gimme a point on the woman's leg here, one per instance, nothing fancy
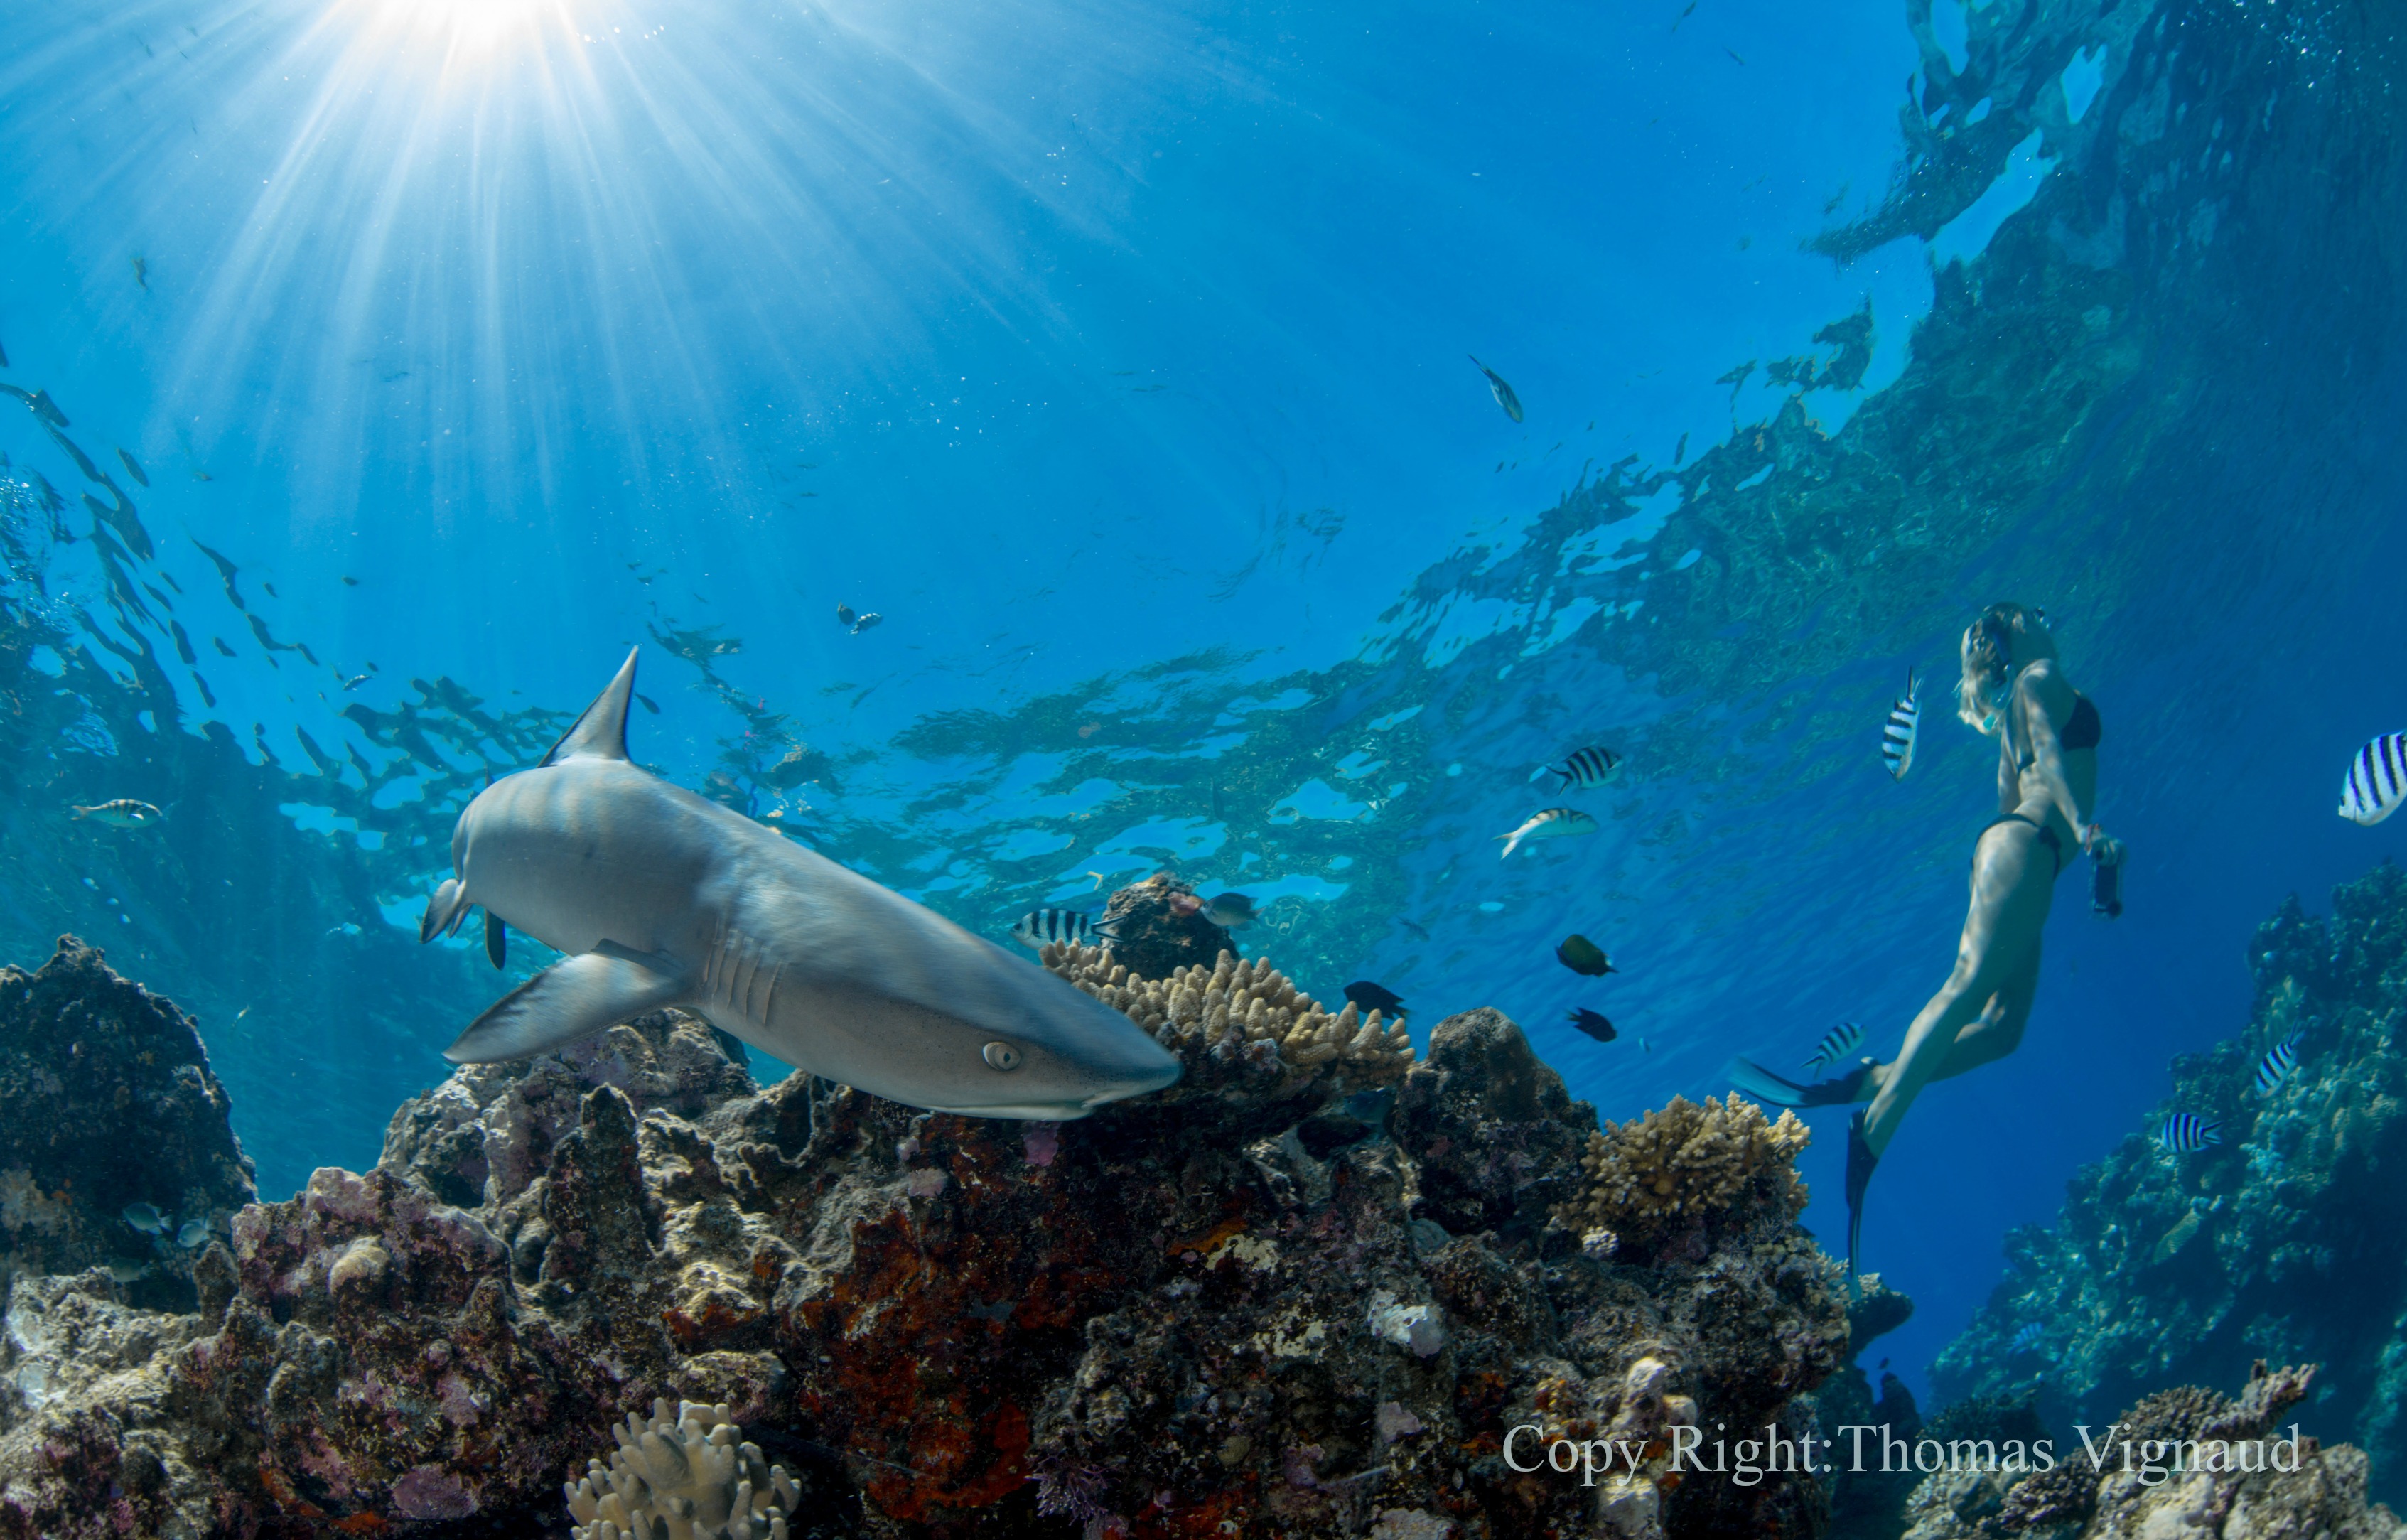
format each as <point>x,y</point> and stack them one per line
<point>1999,1030</point>
<point>2014,876</point>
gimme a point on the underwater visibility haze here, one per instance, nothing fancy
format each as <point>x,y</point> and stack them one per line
<point>1484,502</point>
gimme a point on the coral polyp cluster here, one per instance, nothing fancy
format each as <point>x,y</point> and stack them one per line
<point>1198,1007</point>
<point>681,1477</point>
<point>1686,1159</point>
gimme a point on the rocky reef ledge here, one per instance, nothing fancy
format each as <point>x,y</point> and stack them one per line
<point>1308,1292</point>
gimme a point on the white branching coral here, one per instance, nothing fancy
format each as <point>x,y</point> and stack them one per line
<point>681,1477</point>
<point>1199,1008</point>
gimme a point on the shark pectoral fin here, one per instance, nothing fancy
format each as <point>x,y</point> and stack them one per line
<point>572,999</point>
<point>497,940</point>
<point>443,911</point>
<point>601,732</point>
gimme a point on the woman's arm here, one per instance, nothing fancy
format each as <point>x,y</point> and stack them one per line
<point>2038,689</point>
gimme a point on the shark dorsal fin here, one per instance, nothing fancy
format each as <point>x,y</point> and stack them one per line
<point>601,734</point>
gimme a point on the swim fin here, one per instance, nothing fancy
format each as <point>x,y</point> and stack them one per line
<point>1860,1162</point>
<point>1780,1091</point>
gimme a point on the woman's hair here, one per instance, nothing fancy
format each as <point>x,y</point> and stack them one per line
<point>1988,659</point>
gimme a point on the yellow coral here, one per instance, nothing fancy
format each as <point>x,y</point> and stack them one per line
<point>1684,1159</point>
<point>1197,1007</point>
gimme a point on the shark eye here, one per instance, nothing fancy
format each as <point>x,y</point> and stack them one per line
<point>1002,1055</point>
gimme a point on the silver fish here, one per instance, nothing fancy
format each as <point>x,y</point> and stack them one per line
<point>2186,1130</point>
<point>143,1217</point>
<point>2377,780</point>
<point>660,897</point>
<point>1553,823</point>
<point>1039,928</point>
<point>192,1234</point>
<point>122,813</point>
<point>1836,1044</point>
<point>2275,1067</point>
<point>1587,768</point>
<point>1903,727</point>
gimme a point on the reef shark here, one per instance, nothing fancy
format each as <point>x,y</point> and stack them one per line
<point>663,898</point>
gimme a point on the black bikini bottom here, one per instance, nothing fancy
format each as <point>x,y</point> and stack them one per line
<point>2046,837</point>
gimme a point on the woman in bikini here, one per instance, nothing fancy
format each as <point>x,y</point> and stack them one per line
<point>2015,687</point>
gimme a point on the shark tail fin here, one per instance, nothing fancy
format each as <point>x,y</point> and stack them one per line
<point>443,910</point>
<point>572,999</point>
<point>601,732</point>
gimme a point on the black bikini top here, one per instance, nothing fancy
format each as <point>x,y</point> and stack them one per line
<point>2082,729</point>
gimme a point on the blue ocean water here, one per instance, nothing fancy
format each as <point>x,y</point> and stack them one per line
<point>403,362</point>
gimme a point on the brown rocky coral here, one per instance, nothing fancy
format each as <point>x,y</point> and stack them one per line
<point>1197,1007</point>
<point>1686,1159</point>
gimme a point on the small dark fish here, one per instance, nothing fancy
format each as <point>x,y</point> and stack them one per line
<point>203,476</point>
<point>844,616</point>
<point>2275,1067</point>
<point>132,469</point>
<point>354,682</point>
<point>1646,1046</point>
<point>350,582</point>
<point>1836,1044</point>
<point>1904,726</point>
<point>866,622</point>
<point>1502,391</point>
<point>127,1271</point>
<point>144,1218</point>
<point>1732,52</point>
<point>1593,1023</point>
<point>142,274</point>
<point>1415,929</point>
<point>650,704</point>
<point>1584,957</point>
<point>2184,1131</point>
<point>122,813</point>
<point>1038,927</point>
<point>1680,451</point>
<point>1587,768</point>
<point>1369,996</point>
<point>1230,911</point>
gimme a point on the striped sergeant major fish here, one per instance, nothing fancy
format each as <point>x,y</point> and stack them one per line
<point>1552,823</point>
<point>1587,768</point>
<point>1836,1044</point>
<point>124,813</point>
<point>2186,1130</point>
<point>1904,726</point>
<point>2275,1067</point>
<point>2377,780</point>
<point>1039,927</point>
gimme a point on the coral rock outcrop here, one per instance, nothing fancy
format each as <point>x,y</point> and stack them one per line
<point>109,1102</point>
<point>1303,1299</point>
<point>1686,1163</point>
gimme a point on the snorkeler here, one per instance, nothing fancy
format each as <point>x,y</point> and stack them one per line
<point>2048,783</point>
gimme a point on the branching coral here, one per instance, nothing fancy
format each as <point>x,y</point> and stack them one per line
<point>681,1477</point>
<point>1684,1159</point>
<point>1197,1007</point>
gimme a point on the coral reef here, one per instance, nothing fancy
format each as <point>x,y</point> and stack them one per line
<point>1686,1162</point>
<point>2178,1484</point>
<point>1158,928</point>
<point>1196,1007</point>
<point>111,1104</point>
<point>1275,1299</point>
<point>684,1475</point>
<point>2284,1242</point>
